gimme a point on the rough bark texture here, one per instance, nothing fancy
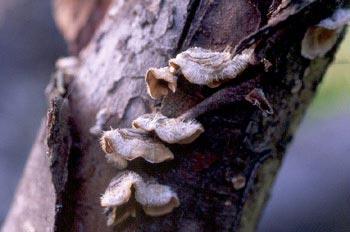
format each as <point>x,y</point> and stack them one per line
<point>66,184</point>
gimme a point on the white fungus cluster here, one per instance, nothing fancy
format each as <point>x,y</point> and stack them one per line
<point>150,133</point>
<point>199,66</point>
<point>155,199</point>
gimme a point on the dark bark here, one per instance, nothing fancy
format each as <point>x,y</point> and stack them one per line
<point>239,140</point>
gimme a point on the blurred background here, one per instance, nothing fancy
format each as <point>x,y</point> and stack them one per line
<point>29,46</point>
<point>312,190</point>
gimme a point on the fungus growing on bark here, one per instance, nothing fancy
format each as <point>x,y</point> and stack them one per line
<point>319,39</point>
<point>170,130</point>
<point>159,81</point>
<point>118,191</point>
<point>257,98</point>
<point>117,196</point>
<point>129,144</point>
<point>205,67</point>
<point>155,199</point>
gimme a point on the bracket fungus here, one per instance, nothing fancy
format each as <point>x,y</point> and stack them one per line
<point>159,81</point>
<point>170,130</point>
<point>199,66</point>
<point>128,144</point>
<point>155,199</point>
<point>320,38</point>
<point>117,194</point>
<point>205,67</point>
<point>257,98</point>
<point>118,191</point>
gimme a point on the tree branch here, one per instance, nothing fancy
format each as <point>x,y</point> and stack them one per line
<point>239,140</point>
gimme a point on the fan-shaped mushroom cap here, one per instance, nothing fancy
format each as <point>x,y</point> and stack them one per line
<point>205,67</point>
<point>170,130</point>
<point>147,122</point>
<point>159,81</point>
<point>319,39</point>
<point>118,191</point>
<point>131,143</point>
<point>156,199</point>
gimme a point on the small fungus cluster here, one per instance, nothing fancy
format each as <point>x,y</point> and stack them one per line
<point>155,199</point>
<point>199,66</point>
<point>150,133</point>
